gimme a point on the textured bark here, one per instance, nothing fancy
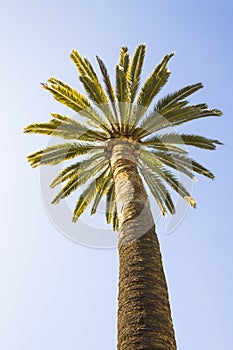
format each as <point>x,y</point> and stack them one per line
<point>144,316</point>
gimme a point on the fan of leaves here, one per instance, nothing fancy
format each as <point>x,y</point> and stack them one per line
<point>122,110</point>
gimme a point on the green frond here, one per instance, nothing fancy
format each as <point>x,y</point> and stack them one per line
<point>167,103</point>
<point>50,128</point>
<point>154,165</point>
<point>73,99</point>
<point>192,165</point>
<point>66,174</point>
<point>79,167</point>
<point>157,143</point>
<point>80,178</point>
<point>65,119</point>
<point>186,114</point>
<point>196,141</point>
<point>122,93</point>
<point>115,221</point>
<point>83,65</point>
<point>102,191</point>
<point>109,88</point>
<point>98,96</point>
<point>94,91</point>
<point>150,89</point>
<point>153,187</point>
<point>110,203</point>
<point>124,59</point>
<point>136,69</point>
<point>158,190</point>
<point>88,194</point>
<point>59,153</point>
<point>169,160</point>
<point>92,85</point>
<point>181,139</point>
<point>155,121</point>
<point>122,111</point>
<point>66,128</point>
<point>154,82</point>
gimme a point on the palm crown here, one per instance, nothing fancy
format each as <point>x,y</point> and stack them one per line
<point>122,115</point>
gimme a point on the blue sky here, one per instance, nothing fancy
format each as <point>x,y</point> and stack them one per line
<point>54,293</point>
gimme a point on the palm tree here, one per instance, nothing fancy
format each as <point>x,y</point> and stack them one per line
<point>123,148</point>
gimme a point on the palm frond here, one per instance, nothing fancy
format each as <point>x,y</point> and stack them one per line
<point>58,153</point>
<point>115,220</point>
<point>157,144</point>
<point>169,160</point>
<point>192,165</point>
<point>90,81</point>
<point>136,69</point>
<point>97,95</point>
<point>66,174</point>
<point>158,190</point>
<point>154,83</point>
<point>155,166</point>
<point>80,179</point>
<point>94,92</point>
<point>150,89</point>
<point>83,65</point>
<point>109,88</point>
<point>79,167</point>
<point>124,59</point>
<point>151,183</point>
<point>88,194</point>
<point>66,128</point>
<point>181,139</point>
<point>122,93</point>
<point>155,122</point>
<point>110,203</point>
<point>103,190</point>
<point>167,103</point>
<point>76,101</point>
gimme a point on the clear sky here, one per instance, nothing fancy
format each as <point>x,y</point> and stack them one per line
<point>57,294</point>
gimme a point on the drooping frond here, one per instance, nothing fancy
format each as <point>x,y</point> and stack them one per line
<point>182,139</point>
<point>66,174</point>
<point>158,190</point>
<point>192,165</point>
<point>88,194</point>
<point>155,166</point>
<point>169,160</point>
<point>110,203</point>
<point>135,70</point>
<point>115,220</point>
<point>103,190</point>
<point>80,178</point>
<point>58,153</point>
<point>76,101</point>
<point>79,167</point>
<point>66,128</point>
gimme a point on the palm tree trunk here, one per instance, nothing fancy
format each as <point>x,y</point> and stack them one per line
<point>144,316</point>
